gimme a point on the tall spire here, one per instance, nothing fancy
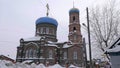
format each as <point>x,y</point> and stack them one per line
<point>47,6</point>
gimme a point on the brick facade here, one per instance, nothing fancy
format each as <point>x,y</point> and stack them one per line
<point>45,48</point>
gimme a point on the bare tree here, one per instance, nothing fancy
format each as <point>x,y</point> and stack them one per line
<point>104,24</point>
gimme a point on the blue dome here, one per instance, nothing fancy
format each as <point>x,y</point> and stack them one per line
<point>47,20</point>
<point>74,10</point>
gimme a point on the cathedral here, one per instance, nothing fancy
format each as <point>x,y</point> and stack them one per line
<point>43,47</point>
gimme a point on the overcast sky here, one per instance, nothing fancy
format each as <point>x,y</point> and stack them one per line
<point>17,19</point>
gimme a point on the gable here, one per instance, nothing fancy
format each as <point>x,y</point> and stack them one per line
<point>31,44</point>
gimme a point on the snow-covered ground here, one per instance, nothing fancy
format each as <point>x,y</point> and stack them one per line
<point>8,64</point>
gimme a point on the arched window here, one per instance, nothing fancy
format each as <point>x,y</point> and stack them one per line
<point>75,55</point>
<point>47,30</point>
<point>44,30</point>
<point>65,55</point>
<point>41,30</point>
<point>73,18</point>
<point>50,54</point>
<point>30,53</point>
<point>27,53</point>
<point>34,53</point>
<point>74,29</point>
<point>38,30</point>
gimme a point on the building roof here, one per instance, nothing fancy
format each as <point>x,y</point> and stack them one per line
<point>74,10</point>
<point>51,45</point>
<point>46,20</point>
<point>2,57</point>
<point>117,40</point>
<point>115,47</point>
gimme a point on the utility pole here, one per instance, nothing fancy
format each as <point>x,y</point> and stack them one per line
<point>89,38</point>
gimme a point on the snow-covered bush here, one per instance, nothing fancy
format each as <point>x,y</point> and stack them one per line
<point>8,64</point>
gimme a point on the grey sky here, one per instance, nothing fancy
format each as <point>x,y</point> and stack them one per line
<point>17,19</point>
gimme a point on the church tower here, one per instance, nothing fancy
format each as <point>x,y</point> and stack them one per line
<point>74,26</point>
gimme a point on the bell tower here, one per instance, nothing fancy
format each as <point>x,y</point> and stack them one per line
<point>74,26</point>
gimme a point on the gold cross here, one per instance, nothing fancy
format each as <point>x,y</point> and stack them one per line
<point>47,9</point>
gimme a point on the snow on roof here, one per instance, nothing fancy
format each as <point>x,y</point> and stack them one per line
<point>55,42</point>
<point>114,42</point>
<point>66,46</point>
<point>36,38</point>
<point>27,61</point>
<point>50,42</point>
<point>53,45</point>
<point>115,49</point>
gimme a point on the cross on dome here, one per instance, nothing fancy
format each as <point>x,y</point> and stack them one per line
<point>47,6</point>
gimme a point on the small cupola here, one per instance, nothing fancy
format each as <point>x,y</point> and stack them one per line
<point>74,10</point>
